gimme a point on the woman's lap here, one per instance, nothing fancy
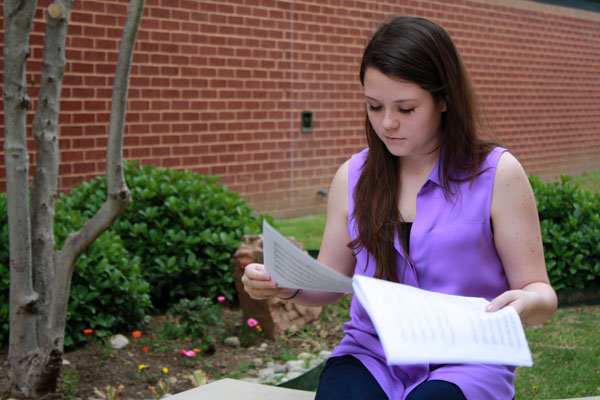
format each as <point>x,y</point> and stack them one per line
<point>345,377</point>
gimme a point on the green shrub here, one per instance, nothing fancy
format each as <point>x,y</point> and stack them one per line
<point>108,291</point>
<point>570,222</point>
<point>176,240</point>
<point>185,228</point>
<point>194,319</point>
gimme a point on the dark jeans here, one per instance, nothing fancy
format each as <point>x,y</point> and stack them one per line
<point>346,378</point>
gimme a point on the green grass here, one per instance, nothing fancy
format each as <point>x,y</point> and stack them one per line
<point>565,349</point>
<point>307,230</point>
<point>566,356</point>
<point>589,181</point>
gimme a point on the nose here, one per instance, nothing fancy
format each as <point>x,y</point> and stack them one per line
<point>390,122</point>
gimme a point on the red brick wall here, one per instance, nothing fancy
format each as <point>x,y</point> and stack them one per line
<point>218,87</point>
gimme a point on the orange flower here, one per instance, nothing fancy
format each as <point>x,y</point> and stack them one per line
<point>136,334</point>
<point>197,350</point>
<point>258,328</point>
<point>145,349</point>
<point>87,331</point>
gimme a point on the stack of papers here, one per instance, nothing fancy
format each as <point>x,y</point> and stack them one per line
<point>414,325</point>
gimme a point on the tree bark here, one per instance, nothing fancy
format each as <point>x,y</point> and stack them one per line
<point>23,300</point>
<point>41,276</point>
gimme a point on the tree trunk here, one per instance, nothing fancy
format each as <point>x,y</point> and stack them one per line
<point>41,276</point>
<point>23,301</point>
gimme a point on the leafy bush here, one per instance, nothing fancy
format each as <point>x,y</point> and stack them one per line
<point>570,222</point>
<point>193,319</point>
<point>185,228</point>
<point>108,291</point>
<point>175,241</point>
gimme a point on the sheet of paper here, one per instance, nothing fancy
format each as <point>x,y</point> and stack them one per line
<point>419,326</point>
<point>291,267</point>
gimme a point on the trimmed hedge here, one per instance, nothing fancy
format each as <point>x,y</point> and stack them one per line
<point>570,222</point>
<point>108,291</point>
<point>185,228</point>
<point>175,241</point>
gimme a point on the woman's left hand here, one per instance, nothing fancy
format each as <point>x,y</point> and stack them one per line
<point>533,303</point>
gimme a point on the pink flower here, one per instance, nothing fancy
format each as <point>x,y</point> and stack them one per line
<point>187,353</point>
<point>221,299</point>
<point>252,322</point>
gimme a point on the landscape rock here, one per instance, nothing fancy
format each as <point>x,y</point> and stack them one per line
<point>118,342</point>
<point>251,380</point>
<point>232,341</point>
<point>276,377</point>
<point>305,356</point>
<point>275,373</point>
<point>279,369</point>
<point>294,365</point>
<point>263,347</point>
<point>293,375</point>
<point>265,373</point>
<point>257,362</point>
<point>275,316</point>
<point>99,394</point>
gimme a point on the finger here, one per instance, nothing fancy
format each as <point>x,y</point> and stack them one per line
<point>502,300</point>
<point>252,281</point>
<point>259,284</point>
<point>256,272</point>
<point>263,294</point>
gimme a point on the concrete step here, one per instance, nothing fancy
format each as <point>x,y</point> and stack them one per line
<point>232,389</point>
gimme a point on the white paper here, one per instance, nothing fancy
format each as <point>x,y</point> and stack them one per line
<point>419,326</point>
<point>291,267</point>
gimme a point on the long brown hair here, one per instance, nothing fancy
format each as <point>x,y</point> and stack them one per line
<point>419,51</point>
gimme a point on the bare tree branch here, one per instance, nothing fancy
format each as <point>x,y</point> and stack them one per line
<point>18,17</point>
<point>41,276</point>
<point>118,194</point>
<point>45,181</point>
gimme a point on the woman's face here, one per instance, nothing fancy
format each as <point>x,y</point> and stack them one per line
<point>405,117</point>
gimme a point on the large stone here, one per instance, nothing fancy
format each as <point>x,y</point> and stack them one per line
<point>232,341</point>
<point>118,342</point>
<point>275,316</point>
<point>294,365</point>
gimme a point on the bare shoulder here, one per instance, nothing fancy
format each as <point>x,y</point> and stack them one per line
<point>509,169</point>
<point>338,192</point>
<point>341,175</point>
<point>334,250</point>
<point>511,185</point>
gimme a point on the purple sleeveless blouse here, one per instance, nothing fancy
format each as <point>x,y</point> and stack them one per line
<point>452,251</point>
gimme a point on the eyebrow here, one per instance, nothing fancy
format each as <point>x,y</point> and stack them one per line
<point>396,101</point>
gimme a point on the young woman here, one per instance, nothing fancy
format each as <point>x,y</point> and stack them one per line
<point>429,204</point>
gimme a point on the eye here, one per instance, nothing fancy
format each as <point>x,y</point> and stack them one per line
<point>406,110</point>
<point>374,108</point>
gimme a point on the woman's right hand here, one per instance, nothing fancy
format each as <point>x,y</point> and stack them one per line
<point>258,284</point>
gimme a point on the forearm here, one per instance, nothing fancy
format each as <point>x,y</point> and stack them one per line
<point>543,304</point>
<point>310,298</point>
